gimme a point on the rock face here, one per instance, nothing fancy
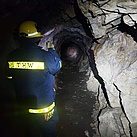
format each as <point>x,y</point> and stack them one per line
<point>116,61</point>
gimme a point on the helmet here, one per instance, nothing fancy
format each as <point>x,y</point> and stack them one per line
<point>28,30</point>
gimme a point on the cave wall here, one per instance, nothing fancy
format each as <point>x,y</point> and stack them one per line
<point>116,60</point>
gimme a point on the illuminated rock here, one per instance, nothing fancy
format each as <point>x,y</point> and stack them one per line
<point>116,61</point>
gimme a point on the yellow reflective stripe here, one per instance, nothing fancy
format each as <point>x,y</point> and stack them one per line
<point>54,89</point>
<point>60,63</point>
<point>9,77</point>
<point>26,65</point>
<point>43,110</point>
<point>32,34</point>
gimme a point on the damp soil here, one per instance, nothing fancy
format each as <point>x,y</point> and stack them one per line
<point>75,104</point>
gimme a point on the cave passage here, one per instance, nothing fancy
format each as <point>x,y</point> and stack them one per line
<point>77,102</point>
<point>74,103</point>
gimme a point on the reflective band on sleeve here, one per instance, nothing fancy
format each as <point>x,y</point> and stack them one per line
<point>43,110</point>
<point>9,77</point>
<point>60,63</point>
<point>26,65</point>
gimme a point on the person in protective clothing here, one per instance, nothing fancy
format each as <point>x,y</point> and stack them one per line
<point>32,72</point>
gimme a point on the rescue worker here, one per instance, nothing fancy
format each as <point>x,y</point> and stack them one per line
<point>32,72</point>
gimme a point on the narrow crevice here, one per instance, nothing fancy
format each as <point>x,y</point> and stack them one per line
<point>96,75</point>
<point>99,113</point>
<point>99,121</point>
<point>122,107</point>
<point>83,20</point>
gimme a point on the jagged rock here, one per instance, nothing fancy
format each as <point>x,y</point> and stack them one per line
<point>106,15</point>
<point>134,128</point>
<point>116,61</point>
<point>110,123</point>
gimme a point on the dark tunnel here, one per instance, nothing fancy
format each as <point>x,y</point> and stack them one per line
<point>72,45</point>
<point>70,52</point>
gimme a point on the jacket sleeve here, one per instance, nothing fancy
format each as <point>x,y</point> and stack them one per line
<point>53,61</point>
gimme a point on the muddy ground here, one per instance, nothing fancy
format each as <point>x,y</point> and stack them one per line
<point>75,104</point>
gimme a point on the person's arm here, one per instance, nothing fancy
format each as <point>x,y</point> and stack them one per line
<point>53,61</point>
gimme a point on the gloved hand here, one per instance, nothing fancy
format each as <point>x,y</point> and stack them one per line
<point>49,115</point>
<point>49,44</point>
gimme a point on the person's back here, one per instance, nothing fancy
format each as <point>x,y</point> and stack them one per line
<point>32,70</point>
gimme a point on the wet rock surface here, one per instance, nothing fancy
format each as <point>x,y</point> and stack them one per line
<point>75,104</point>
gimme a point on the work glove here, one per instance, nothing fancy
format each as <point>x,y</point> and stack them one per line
<point>49,44</point>
<point>49,115</point>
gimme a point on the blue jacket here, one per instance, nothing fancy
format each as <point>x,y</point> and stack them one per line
<point>32,70</point>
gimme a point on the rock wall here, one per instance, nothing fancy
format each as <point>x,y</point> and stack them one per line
<point>116,61</point>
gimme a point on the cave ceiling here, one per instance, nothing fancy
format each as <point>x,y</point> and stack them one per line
<point>89,15</point>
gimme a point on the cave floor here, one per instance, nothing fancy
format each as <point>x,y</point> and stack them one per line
<point>75,104</point>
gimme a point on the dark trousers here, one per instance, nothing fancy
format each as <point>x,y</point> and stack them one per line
<point>34,125</point>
